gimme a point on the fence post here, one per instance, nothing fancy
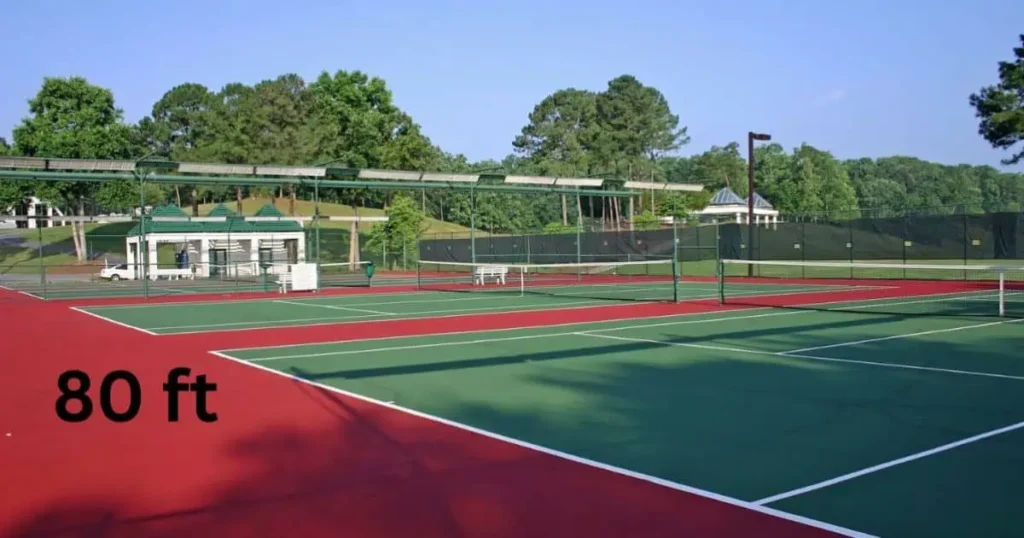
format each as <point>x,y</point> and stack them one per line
<point>42,265</point>
<point>677,266</point>
<point>850,247</point>
<point>803,249</point>
<point>143,250</point>
<point>316,219</point>
<point>579,251</point>
<point>472,225</point>
<point>905,223</point>
<point>966,239</point>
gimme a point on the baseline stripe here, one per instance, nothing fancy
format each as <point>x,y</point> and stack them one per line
<point>335,307</point>
<point>886,465</point>
<point>562,455</point>
<point>898,336</point>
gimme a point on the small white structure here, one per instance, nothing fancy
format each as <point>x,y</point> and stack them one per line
<point>725,206</point>
<point>33,207</point>
<point>222,244</point>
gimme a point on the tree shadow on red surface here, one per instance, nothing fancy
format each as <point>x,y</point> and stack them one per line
<point>366,471</point>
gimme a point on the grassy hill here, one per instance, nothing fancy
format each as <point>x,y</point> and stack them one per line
<point>304,208</point>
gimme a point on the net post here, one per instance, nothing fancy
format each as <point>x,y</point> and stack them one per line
<point>579,248</point>
<point>1002,293</point>
<point>718,245</point>
<point>316,219</point>
<point>42,265</point>
<point>419,277</point>
<point>675,281</point>
<point>720,266</point>
<point>522,280</point>
<point>472,225</point>
<point>676,269</point>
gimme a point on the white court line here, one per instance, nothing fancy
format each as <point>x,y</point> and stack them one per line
<point>886,465</point>
<point>502,338</point>
<point>407,316</point>
<point>607,329</point>
<point>259,325</point>
<point>808,357</point>
<point>25,293</point>
<point>904,366</point>
<point>898,336</point>
<point>115,322</point>
<point>561,455</point>
<point>404,348</point>
<point>335,307</point>
<point>674,344</point>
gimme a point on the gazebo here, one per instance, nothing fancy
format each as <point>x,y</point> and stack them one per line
<point>222,243</point>
<point>726,204</point>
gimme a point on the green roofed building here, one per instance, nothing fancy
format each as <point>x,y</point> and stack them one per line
<point>222,243</point>
<point>726,204</point>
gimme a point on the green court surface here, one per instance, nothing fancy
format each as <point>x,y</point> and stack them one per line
<point>889,424</point>
<point>295,310</point>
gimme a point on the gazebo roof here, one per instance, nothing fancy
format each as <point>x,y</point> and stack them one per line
<point>220,210</point>
<point>169,210</point>
<point>761,203</point>
<point>268,210</point>
<point>727,197</point>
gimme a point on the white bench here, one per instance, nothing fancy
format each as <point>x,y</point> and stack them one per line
<point>284,280</point>
<point>483,272</point>
<point>173,274</point>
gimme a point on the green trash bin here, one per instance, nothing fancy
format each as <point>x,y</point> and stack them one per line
<point>369,272</point>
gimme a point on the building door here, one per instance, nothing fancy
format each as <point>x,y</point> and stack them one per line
<point>218,262</point>
<point>291,247</point>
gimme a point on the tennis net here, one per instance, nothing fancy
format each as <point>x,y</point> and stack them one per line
<point>907,289</point>
<point>343,274</point>
<point>654,280</point>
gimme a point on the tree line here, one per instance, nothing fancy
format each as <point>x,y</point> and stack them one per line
<point>627,131</point>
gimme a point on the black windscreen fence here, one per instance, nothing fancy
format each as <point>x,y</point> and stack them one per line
<point>948,238</point>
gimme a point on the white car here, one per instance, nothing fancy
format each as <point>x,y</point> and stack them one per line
<point>117,272</point>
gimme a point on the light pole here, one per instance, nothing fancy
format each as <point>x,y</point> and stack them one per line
<point>751,136</point>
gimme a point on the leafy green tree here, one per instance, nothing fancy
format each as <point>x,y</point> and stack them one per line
<point>561,132</point>
<point>11,192</point>
<point>402,230</point>
<point>1000,107</point>
<point>636,122</point>
<point>771,165</point>
<point>817,185</point>
<point>181,127</point>
<point>122,195</point>
<point>555,228</point>
<point>71,118</point>
<point>646,220</point>
<point>720,166</point>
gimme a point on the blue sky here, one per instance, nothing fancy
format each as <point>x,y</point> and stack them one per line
<point>860,79</point>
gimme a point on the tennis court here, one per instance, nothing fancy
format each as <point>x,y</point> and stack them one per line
<point>827,413</point>
<point>441,298</point>
<point>875,407</point>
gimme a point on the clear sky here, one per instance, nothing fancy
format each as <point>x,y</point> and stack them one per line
<point>858,78</point>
